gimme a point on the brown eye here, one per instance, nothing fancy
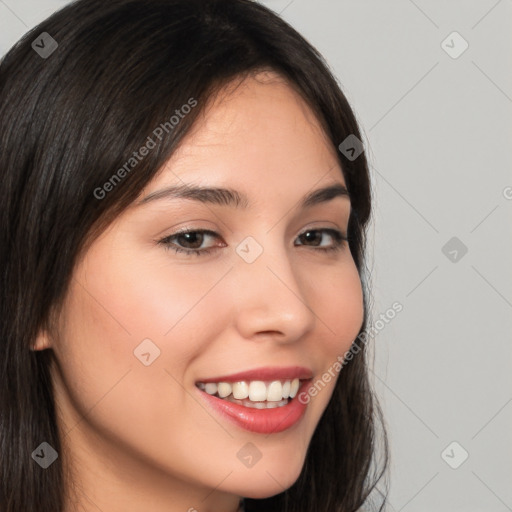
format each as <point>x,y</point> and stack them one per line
<point>315,236</point>
<point>192,240</point>
<point>189,241</point>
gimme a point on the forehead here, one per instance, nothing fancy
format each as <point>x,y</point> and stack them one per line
<point>254,135</point>
<point>262,111</point>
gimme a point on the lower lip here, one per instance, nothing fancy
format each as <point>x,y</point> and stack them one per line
<point>263,421</point>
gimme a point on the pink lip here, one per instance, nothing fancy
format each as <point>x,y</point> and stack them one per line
<point>265,373</point>
<point>262,421</point>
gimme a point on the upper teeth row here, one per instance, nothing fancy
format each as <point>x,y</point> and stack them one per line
<point>256,390</point>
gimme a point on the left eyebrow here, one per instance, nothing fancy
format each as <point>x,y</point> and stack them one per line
<point>236,199</point>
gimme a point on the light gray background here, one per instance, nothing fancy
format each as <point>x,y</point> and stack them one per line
<point>438,132</point>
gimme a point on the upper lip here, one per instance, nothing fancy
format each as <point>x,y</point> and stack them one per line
<point>266,373</point>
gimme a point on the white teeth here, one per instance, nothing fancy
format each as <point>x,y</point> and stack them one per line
<point>224,389</point>
<point>210,388</point>
<point>294,387</point>
<point>275,391</point>
<point>256,390</point>
<point>286,389</point>
<point>240,390</point>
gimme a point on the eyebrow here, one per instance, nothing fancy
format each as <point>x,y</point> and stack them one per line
<point>236,199</point>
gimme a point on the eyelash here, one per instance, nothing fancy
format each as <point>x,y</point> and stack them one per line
<point>339,241</point>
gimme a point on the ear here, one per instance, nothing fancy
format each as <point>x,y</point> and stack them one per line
<point>42,341</point>
<point>46,332</point>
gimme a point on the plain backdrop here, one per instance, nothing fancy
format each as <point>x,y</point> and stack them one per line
<point>431,86</point>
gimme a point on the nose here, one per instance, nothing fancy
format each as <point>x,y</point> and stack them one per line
<point>271,297</point>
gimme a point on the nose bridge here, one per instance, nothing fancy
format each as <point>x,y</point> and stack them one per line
<point>270,297</point>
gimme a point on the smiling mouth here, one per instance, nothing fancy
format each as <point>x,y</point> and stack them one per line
<point>256,394</point>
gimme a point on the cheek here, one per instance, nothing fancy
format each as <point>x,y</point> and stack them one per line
<point>338,304</point>
<point>107,390</point>
<point>334,294</point>
<point>116,301</point>
<point>110,309</point>
<point>140,296</point>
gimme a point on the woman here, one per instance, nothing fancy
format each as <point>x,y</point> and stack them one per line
<point>182,251</point>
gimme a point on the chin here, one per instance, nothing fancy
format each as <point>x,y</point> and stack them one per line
<point>268,481</point>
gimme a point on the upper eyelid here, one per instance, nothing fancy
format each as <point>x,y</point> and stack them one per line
<point>215,233</point>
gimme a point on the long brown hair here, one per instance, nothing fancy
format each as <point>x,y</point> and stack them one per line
<point>68,121</point>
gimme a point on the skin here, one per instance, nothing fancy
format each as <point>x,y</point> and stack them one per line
<point>140,437</point>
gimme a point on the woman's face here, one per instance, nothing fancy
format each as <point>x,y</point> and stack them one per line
<point>143,324</point>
